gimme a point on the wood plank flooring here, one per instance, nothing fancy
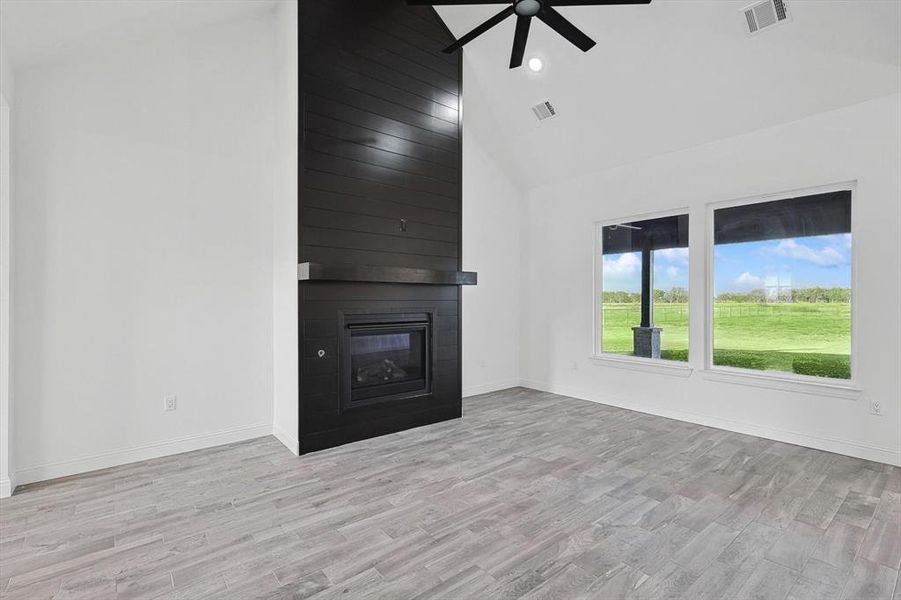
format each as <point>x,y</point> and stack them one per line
<point>531,495</point>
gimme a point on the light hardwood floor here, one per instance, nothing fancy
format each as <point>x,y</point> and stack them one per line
<point>530,495</point>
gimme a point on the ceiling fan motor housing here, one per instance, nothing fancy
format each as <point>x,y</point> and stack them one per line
<point>524,11</point>
<point>527,8</point>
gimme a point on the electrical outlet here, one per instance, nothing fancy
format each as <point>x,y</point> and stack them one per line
<point>875,407</point>
<point>170,403</point>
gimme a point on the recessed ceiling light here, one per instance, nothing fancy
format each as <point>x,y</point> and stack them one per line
<point>536,64</point>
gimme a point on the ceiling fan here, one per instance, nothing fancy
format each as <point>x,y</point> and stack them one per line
<point>524,11</point>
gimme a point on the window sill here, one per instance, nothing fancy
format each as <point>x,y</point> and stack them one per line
<point>648,365</point>
<point>834,388</point>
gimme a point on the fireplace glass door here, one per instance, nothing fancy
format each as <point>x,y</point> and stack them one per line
<point>386,360</point>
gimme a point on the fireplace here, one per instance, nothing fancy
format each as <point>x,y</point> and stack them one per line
<point>385,357</point>
<point>379,223</point>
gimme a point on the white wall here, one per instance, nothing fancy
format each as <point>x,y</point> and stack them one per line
<point>492,223</point>
<point>7,94</point>
<point>285,355</point>
<point>143,241</point>
<point>7,76</point>
<point>860,143</point>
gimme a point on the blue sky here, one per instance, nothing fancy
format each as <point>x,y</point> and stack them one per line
<point>802,262</point>
<point>817,261</point>
<point>622,272</point>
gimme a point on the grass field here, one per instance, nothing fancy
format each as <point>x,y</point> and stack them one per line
<point>803,338</point>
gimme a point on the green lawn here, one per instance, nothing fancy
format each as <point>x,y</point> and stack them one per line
<point>803,338</point>
<point>619,319</point>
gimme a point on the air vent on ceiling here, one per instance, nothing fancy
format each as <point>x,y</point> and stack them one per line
<point>761,15</point>
<point>544,110</point>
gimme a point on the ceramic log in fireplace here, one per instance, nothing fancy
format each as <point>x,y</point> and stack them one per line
<point>385,357</point>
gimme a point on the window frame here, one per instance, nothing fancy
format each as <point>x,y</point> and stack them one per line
<point>779,379</point>
<point>675,367</point>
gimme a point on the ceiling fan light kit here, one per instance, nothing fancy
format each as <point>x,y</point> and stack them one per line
<point>524,11</point>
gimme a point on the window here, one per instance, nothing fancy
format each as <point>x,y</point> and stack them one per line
<point>643,296</point>
<point>781,286</point>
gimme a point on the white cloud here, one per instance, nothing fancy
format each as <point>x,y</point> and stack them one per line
<point>846,241</point>
<point>748,281</point>
<point>827,257</point>
<point>672,272</point>
<point>625,264</point>
<point>677,256</point>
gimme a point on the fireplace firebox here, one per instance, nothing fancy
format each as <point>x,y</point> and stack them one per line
<point>384,357</point>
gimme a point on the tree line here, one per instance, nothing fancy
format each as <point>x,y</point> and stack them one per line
<point>814,295</point>
<point>679,295</point>
<point>676,295</point>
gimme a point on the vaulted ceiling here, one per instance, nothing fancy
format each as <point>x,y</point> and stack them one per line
<point>673,75</point>
<point>663,77</point>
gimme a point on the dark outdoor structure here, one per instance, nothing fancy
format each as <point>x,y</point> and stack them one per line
<point>819,214</point>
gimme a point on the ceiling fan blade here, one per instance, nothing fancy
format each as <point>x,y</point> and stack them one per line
<point>561,25</point>
<point>596,2</point>
<point>480,29</point>
<point>519,40</point>
<point>441,2</point>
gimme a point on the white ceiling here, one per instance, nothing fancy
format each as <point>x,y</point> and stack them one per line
<point>675,74</point>
<point>35,31</point>
<point>663,77</point>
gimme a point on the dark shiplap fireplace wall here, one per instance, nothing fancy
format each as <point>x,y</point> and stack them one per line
<point>380,188</point>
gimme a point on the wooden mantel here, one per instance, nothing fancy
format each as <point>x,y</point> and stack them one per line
<point>313,271</point>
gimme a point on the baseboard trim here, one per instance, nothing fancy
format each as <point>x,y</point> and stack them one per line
<point>116,458</point>
<point>890,456</point>
<point>236,434</point>
<point>289,441</point>
<point>7,486</point>
<point>485,388</point>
